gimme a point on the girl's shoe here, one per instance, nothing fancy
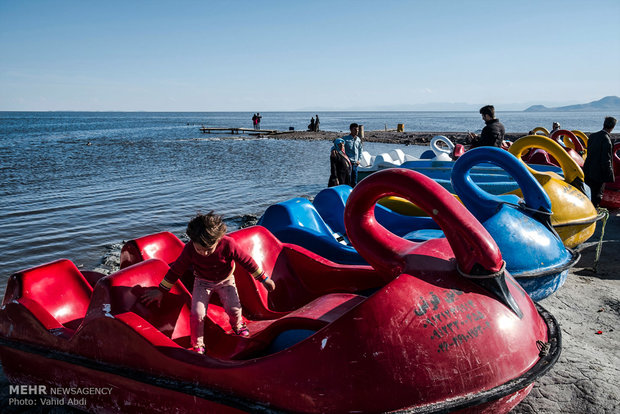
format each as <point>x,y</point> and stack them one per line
<point>242,331</point>
<point>199,350</point>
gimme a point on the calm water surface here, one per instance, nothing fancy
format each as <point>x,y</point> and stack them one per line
<point>73,183</point>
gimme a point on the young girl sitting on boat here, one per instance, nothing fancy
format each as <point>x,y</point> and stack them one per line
<point>212,255</point>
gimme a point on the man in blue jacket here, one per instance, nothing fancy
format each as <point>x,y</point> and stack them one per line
<point>353,149</point>
<point>493,133</point>
<point>598,167</point>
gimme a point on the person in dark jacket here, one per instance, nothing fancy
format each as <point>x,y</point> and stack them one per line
<point>340,165</point>
<point>598,167</point>
<point>312,126</point>
<point>492,134</point>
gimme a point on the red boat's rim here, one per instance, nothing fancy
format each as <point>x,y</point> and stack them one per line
<point>548,357</point>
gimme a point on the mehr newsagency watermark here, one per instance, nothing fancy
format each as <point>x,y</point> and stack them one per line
<point>33,395</point>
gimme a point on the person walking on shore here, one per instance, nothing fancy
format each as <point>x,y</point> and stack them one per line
<point>340,165</point>
<point>316,124</point>
<point>254,121</point>
<point>598,167</point>
<point>353,148</point>
<point>258,118</point>
<point>492,134</point>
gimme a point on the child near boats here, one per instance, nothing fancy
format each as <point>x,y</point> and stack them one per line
<point>212,255</point>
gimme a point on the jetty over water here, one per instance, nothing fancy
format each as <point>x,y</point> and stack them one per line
<point>233,130</point>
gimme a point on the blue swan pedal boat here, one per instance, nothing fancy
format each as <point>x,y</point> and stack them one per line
<point>534,252</point>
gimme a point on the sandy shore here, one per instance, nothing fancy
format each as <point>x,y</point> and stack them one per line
<point>585,378</point>
<point>587,307</point>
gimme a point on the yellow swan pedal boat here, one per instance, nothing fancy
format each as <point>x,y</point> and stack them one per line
<point>574,216</point>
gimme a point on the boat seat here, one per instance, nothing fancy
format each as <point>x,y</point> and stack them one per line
<point>164,246</point>
<point>269,254</point>
<point>297,221</point>
<point>541,157</point>
<point>385,159</point>
<point>397,155</point>
<point>56,293</point>
<point>300,275</point>
<point>366,159</point>
<point>119,294</point>
<point>122,292</point>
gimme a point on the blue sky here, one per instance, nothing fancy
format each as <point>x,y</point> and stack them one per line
<point>320,55</point>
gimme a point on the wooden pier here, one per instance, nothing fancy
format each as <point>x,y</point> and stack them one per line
<point>232,130</point>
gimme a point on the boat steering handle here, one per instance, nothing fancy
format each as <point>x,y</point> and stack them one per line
<point>476,198</point>
<point>584,139</point>
<point>437,149</point>
<point>541,129</point>
<point>388,253</point>
<point>571,136</point>
<point>571,170</point>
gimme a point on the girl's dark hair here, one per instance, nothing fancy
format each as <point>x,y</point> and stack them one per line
<point>206,229</point>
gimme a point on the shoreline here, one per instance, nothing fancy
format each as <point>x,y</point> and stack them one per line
<point>391,136</point>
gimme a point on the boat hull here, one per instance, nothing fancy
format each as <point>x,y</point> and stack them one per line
<point>611,195</point>
<point>611,198</point>
<point>126,385</point>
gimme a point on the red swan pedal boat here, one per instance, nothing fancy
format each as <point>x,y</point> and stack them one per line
<point>436,326</point>
<point>575,151</point>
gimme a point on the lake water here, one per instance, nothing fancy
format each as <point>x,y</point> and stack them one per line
<point>72,183</point>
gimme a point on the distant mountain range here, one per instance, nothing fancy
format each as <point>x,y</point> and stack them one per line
<point>608,103</point>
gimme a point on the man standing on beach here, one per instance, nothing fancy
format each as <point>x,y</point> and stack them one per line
<point>353,149</point>
<point>258,118</point>
<point>492,134</point>
<point>598,167</point>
